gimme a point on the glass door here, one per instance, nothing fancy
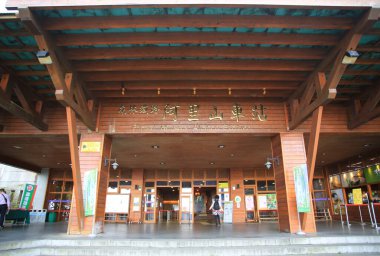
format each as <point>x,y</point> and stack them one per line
<point>149,204</point>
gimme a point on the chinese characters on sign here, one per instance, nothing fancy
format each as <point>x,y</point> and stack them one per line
<point>170,112</point>
<point>27,196</point>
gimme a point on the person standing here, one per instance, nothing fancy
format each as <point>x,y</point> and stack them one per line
<point>5,205</point>
<point>217,209</point>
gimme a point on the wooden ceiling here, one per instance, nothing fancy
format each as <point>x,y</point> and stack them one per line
<point>253,52</point>
<point>180,151</point>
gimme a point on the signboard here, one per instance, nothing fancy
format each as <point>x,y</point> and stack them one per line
<point>267,202</point>
<point>249,203</point>
<point>89,191</point>
<point>357,194</point>
<point>117,203</point>
<point>28,196</point>
<point>301,184</point>
<point>228,211</point>
<point>372,174</point>
<point>335,181</point>
<point>337,200</point>
<point>353,178</point>
<point>90,146</point>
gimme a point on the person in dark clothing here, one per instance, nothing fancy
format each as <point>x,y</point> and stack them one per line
<point>217,209</point>
<point>5,205</point>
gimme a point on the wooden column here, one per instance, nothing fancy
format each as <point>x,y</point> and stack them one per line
<point>290,148</point>
<point>94,148</point>
<point>236,179</point>
<point>136,194</point>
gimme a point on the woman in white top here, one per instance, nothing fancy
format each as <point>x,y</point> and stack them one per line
<point>217,209</point>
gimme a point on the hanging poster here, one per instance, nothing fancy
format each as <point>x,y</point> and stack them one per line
<point>337,200</point>
<point>357,194</point>
<point>228,211</point>
<point>28,196</point>
<point>117,203</point>
<point>335,181</point>
<point>372,174</point>
<point>249,203</point>
<point>301,184</point>
<point>353,178</point>
<point>89,191</point>
<point>267,201</point>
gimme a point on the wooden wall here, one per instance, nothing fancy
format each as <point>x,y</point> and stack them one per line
<point>137,180</point>
<point>236,178</point>
<point>291,150</point>
<point>111,121</point>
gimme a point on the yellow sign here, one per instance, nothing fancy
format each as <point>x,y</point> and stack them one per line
<point>223,184</point>
<point>90,146</point>
<point>357,194</point>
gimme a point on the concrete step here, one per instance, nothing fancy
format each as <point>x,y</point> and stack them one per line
<point>190,243</point>
<point>262,250</point>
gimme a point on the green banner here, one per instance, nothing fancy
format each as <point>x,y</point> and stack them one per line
<point>372,174</point>
<point>89,191</point>
<point>301,184</point>
<point>27,196</point>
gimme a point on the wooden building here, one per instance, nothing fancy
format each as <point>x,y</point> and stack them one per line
<point>190,101</point>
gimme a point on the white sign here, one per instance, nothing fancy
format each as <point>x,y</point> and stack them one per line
<point>249,206</point>
<point>262,202</point>
<point>228,211</point>
<point>117,203</point>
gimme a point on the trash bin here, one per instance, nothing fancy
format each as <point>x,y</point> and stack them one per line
<point>52,217</point>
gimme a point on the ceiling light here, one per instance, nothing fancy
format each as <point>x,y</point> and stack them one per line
<point>17,147</point>
<point>122,89</point>
<point>155,146</point>
<point>43,155</point>
<point>232,155</point>
<point>350,57</point>
<point>134,155</point>
<point>212,163</point>
<point>221,146</point>
<point>44,57</point>
<point>162,163</point>
<point>367,145</point>
<point>264,91</point>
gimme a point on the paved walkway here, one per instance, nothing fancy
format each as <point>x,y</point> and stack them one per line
<point>177,231</point>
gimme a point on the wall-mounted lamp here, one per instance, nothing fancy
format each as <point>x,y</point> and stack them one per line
<point>114,164</point>
<point>268,163</point>
<point>138,187</point>
<point>350,57</point>
<point>44,57</point>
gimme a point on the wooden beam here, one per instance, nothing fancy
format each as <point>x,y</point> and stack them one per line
<point>191,51</point>
<point>193,75</point>
<point>19,49</point>
<point>205,21</point>
<point>312,152</point>
<point>194,38</point>
<point>349,41</point>
<point>75,167</point>
<point>371,72</point>
<point>180,85</point>
<point>368,111</point>
<point>57,69</point>
<point>175,93</point>
<point>15,33</point>
<point>20,62</point>
<point>19,112</point>
<point>32,73</point>
<point>368,48</point>
<point>131,65</point>
<point>362,61</point>
<point>80,4</point>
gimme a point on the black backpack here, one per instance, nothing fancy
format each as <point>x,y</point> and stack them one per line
<point>216,205</point>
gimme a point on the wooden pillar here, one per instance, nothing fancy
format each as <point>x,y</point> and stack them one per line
<point>290,147</point>
<point>135,209</point>
<point>94,148</point>
<point>236,179</point>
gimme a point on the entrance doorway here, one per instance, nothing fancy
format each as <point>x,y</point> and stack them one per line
<point>167,204</point>
<point>202,201</point>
